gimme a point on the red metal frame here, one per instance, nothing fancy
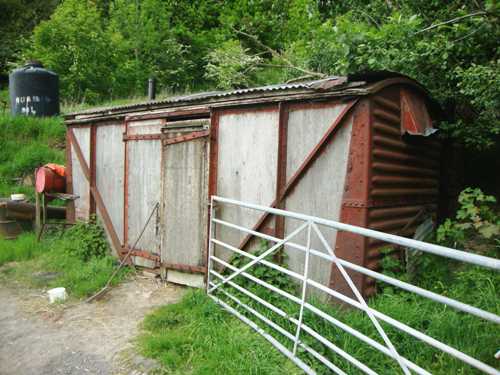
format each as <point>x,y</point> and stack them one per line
<point>349,246</point>
<point>212,172</point>
<point>141,137</point>
<point>317,104</point>
<point>185,268</point>
<point>404,174</point>
<point>186,137</point>
<point>142,254</point>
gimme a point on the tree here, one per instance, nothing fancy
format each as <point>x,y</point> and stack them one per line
<point>74,44</point>
<point>141,31</point>
<point>451,48</point>
<point>230,65</point>
<point>17,20</point>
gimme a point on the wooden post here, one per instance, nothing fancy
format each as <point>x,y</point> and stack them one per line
<point>37,212</point>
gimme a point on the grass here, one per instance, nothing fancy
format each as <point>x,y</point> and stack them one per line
<point>63,258</point>
<point>198,337</point>
<point>71,107</point>
<point>27,143</point>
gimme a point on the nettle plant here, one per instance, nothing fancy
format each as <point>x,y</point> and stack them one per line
<point>87,240</point>
<point>476,217</point>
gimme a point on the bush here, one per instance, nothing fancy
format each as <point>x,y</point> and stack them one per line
<point>86,240</point>
<point>476,218</point>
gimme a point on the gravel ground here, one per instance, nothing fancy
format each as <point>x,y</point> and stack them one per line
<point>78,338</point>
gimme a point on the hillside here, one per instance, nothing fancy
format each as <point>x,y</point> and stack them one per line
<point>25,144</point>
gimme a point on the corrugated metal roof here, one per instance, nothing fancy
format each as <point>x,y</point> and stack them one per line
<point>328,84</point>
<point>316,85</point>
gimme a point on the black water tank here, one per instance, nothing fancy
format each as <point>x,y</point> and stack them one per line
<point>34,91</point>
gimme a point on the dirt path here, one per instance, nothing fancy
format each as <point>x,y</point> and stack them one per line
<point>37,338</point>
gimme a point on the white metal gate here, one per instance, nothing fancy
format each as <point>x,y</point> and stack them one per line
<point>222,273</point>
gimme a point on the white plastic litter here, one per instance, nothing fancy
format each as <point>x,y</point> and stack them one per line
<point>57,294</point>
<point>17,197</point>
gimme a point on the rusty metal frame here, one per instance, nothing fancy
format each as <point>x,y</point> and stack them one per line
<point>300,172</point>
<point>141,137</point>
<point>184,268</point>
<point>96,194</point>
<point>213,157</point>
<point>264,107</point>
<point>142,254</point>
<point>394,201</point>
<point>354,208</point>
<point>186,137</point>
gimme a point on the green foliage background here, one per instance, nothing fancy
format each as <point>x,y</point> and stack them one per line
<point>106,49</point>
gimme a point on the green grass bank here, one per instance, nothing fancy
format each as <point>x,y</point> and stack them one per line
<point>25,144</point>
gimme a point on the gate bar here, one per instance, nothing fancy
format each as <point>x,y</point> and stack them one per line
<point>376,275</point>
<point>463,256</point>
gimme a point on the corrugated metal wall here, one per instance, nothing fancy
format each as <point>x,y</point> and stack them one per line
<point>404,178</point>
